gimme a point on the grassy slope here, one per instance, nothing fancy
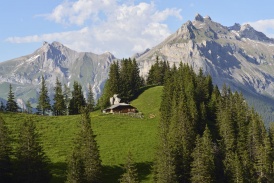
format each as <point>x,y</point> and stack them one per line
<point>116,135</point>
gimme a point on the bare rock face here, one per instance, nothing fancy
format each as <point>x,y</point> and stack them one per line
<point>239,55</point>
<point>52,61</point>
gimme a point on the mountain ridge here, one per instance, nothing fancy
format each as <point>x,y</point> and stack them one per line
<point>52,61</point>
<point>222,52</point>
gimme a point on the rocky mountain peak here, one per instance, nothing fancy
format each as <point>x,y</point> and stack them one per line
<point>246,31</point>
<point>237,55</point>
<point>187,30</point>
<point>207,17</point>
<point>246,27</point>
<point>199,18</point>
<point>235,27</point>
<point>57,44</point>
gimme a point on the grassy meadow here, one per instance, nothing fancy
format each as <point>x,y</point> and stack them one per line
<point>116,136</point>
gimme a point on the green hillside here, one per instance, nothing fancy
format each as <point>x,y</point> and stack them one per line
<point>116,135</point>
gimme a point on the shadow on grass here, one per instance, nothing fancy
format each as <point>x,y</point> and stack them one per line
<point>112,174</point>
<point>58,171</point>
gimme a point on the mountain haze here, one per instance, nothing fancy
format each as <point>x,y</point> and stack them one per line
<point>53,60</point>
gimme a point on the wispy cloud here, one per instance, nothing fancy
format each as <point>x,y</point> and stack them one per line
<point>266,26</point>
<point>108,25</point>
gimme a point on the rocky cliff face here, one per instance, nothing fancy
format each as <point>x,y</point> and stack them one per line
<point>237,55</point>
<point>53,60</point>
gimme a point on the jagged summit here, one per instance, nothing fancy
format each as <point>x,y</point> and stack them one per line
<point>238,55</point>
<point>198,17</point>
<point>235,27</point>
<point>54,60</point>
<point>207,17</point>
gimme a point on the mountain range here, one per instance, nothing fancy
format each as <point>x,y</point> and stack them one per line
<point>51,61</point>
<point>237,55</point>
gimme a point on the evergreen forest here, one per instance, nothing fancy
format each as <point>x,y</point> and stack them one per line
<point>194,133</point>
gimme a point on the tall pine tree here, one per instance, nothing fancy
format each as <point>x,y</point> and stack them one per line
<point>203,167</point>
<point>11,105</point>
<point>77,101</point>
<point>85,161</point>
<point>130,175</point>
<point>59,107</point>
<point>32,164</point>
<point>67,97</point>
<point>43,100</point>
<point>90,99</point>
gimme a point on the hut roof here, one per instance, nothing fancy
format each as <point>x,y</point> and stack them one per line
<point>116,105</point>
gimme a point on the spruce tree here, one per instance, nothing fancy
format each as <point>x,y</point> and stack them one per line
<point>130,175</point>
<point>203,167</point>
<point>11,105</point>
<point>5,153</point>
<point>77,101</point>
<point>106,94</point>
<point>75,170</point>
<point>43,100</point>
<point>136,80</point>
<point>85,163</point>
<point>67,97</point>
<point>29,108</point>
<point>125,75</point>
<point>164,165</point>
<point>89,150</point>
<point>2,107</point>
<point>90,100</point>
<point>32,164</point>
<point>59,107</point>
<point>114,79</point>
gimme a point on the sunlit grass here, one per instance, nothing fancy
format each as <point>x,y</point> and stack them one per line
<point>116,135</point>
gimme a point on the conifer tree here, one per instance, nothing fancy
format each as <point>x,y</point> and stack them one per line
<point>5,153</point>
<point>89,150</point>
<point>202,167</point>
<point>59,106</point>
<point>2,107</point>
<point>136,80</point>
<point>90,100</point>
<point>114,79</point>
<point>29,108</point>
<point>130,175</point>
<point>157,72</point>
<point>43,100</point>
<point>32,164</point>
<point>164,166</point>
<point>77,101</point>
<point>75,170</point>
<point>67,97</point>
<point>104,99</point>
<point>85,163</point>
<point>125,75</point>
<point>11,105</point>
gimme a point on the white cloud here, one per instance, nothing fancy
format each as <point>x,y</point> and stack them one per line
<point>265,26</point>
<point>70,13</point>
<point>123,30</point>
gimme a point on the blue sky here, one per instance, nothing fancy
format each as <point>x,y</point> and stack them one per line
<point>122,27</point>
